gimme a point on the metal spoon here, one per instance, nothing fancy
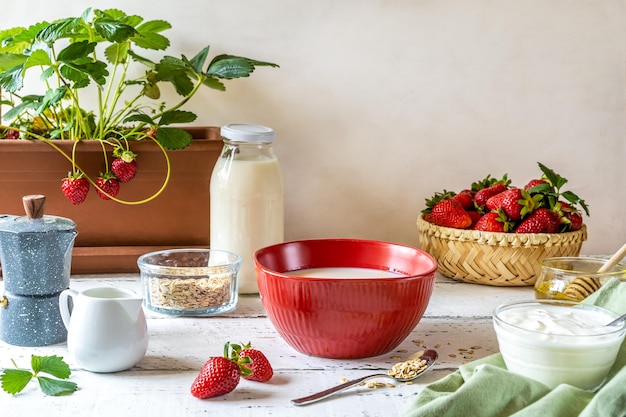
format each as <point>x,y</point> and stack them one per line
<point>430,356</point>
<point>617,320</point>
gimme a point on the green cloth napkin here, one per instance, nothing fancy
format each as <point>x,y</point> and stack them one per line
<point>485,388</point>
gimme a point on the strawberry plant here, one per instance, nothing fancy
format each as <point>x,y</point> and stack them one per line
<point>98,51</point>
<point>541,206</point>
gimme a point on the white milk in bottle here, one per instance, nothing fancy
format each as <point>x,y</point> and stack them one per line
<point>247,207</point>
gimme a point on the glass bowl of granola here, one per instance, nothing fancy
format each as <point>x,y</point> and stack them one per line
<point>190,282</point>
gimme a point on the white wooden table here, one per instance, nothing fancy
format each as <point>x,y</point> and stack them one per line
<point>457,321</point>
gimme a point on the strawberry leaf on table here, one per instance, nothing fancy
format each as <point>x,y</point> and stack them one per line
<point>53,365</point>
<point>15,380</point>
<point>56,387</point>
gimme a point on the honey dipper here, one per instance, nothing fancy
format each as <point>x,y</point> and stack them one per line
<point>582,287</point>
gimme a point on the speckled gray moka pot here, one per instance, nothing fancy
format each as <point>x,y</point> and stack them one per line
<point>36,255</point>
<point>31,320</point>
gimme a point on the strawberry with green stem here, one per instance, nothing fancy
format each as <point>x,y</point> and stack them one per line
<point>75,187</point>
<point>542,220</point>
<point>515,202</point>
<point>487,188</point>
<point>107,185</point>
<point>494,221</point>
<point>220,374</point>
<point>124,166</point>
<point>255,360</point>
<point>443,210</point>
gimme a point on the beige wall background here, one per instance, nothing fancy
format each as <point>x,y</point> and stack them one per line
<point>378,104</point>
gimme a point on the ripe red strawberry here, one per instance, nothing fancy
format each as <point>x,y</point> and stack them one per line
<point>494,221</point>
<point>475,216</point>
<point>450,213</point>
<point>124,166</point>
<point>218,376</point>
<point>11,134</point>
<point>571,218</point>
<point>109,184</point>
<point>75,187</point>
<point>261,369</point>
<point>542,220</point>
<point>534,183</point>
<point>515,202</point>
<point>124,171</point>
<point>481,196</point>
<point>466,198</point>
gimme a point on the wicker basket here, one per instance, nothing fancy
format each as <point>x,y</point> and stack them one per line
<point>502,259</point>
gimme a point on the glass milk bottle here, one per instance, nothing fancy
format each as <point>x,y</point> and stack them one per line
<point>247,208</point>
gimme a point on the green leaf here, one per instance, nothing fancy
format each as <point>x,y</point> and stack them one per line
<point>12,80</point>
<point>55,387</point>
<point>47,73</point>
<point>175,71</point>
<point>214,83</point>
<point>113,30</point>
<point>79,78</point>
<point>8,43</point>
<point>173,138</point>
<point>117,53</point>
<point>141,59</point>
<point>198,61</point>
<point>552,176</point>
<point>57,30</point>
<point>53,365</point>
<point>153,26</point>
<point>97,71</point>
<point>230,66</point>
<point>51,98</point>
<point>36,59</point>
<point>177,116</point>
<point>139,117</point>
<point>153,41</point>
<point>15,111</point>
<point>76,51</point>
<point>149,37</point>
<point>14,380</point>
<point>575,200</point>
<point>8,61</point>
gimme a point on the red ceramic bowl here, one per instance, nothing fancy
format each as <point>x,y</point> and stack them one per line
<point>344,317</point>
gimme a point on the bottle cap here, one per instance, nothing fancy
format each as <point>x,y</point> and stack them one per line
<point>241,132</point>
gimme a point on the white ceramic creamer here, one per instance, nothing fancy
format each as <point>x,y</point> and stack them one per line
<point>107,329</point>
<point>247,207</point>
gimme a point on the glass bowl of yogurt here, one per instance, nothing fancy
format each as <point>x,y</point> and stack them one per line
<point>558,342</point>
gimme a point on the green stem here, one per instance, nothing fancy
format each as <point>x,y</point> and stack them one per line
<point>72,160</point>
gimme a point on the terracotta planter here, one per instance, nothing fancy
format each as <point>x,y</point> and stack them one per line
<point>111,235</point>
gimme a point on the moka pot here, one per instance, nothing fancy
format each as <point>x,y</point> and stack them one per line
<point>35,254</point>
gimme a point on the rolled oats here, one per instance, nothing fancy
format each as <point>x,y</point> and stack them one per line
<point>407,369</point>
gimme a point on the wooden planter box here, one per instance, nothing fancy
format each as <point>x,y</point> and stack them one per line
<point>111,235</point>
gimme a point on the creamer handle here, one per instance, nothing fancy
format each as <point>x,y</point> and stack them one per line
<point>64,305</point>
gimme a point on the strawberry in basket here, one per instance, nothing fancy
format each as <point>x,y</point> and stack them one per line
<point>494,205</point>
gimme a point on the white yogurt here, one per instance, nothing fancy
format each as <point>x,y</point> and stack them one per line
<point>557,344</point>
<point>344,272</point>
<point>556,321</point>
